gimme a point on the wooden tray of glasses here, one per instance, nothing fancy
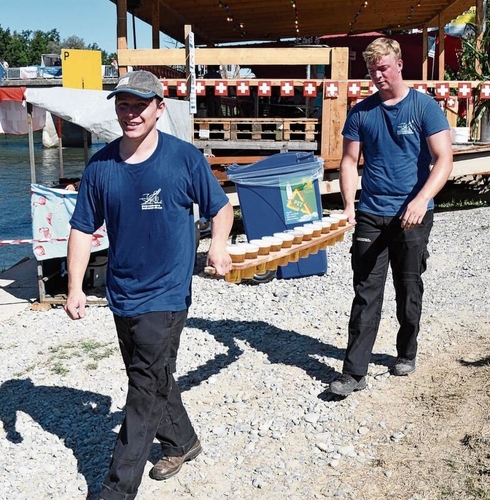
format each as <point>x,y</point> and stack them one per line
<point>262,263</point>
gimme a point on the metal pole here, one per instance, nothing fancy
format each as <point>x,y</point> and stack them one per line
<point>31,143</point>
<point>85,146</point>
<point>60,146</point>
<point>134,30</point>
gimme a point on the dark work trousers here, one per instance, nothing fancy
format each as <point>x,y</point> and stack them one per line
<point>154,408</point>
<point>377,242</point>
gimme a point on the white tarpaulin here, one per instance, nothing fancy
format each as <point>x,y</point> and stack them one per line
<point>91,110</point>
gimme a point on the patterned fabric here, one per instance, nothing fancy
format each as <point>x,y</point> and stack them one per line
<point>51,210</point>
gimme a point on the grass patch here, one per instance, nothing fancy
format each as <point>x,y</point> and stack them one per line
<point>25,371</point>
<point>89,350</point>
<point>462,204</point>
<point>59,369</point>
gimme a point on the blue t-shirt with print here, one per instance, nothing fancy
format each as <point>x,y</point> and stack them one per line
<point>394,148</point>
<point>148,211</point>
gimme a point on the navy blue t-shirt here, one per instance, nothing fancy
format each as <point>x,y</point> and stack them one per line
<point>394,147</point>
<point>148,211</point>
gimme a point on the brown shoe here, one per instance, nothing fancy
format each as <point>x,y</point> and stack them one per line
<point>169,466</point>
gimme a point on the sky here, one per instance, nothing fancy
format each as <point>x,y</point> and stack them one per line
<point>92,20</point>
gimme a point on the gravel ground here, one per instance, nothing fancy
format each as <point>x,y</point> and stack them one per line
<point>254,364</point>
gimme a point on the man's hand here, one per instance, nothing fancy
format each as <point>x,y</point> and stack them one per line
<point>75,305</point>
<point>219,258</point>
<point>351,214</point>
<point>414,213</point>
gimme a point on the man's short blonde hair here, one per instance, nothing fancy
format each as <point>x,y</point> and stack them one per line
<point>381,47</point>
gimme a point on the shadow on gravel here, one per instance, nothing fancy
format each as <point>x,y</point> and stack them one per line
<point>81,419</point>
<point>285,347</point>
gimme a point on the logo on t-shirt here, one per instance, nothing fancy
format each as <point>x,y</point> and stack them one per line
<point>405,129</point>
<point>151,201</point>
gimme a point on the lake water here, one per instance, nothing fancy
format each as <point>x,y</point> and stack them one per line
<point>15,182</point>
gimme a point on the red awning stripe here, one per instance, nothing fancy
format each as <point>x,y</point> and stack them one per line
<point>12,94</point>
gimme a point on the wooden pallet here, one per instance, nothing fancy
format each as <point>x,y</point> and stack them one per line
<point>263,263</point>
<point>257,129</point>
<point>301,131</point>
<point>216,130</point>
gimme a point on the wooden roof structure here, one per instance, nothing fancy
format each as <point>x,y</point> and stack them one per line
<point>226,21</point>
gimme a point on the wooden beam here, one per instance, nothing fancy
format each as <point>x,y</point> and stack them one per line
<point>241,56</point>
<point>334,115</point>
<point>470,164</point>
<point>155,25</point>
<point>441,52</point>
<point>480,19</point>
<point>122,32</point>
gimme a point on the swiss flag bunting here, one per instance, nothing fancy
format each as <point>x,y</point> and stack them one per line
<point>331,89</point>
<point>354,89</point>
<point>287,89</point>
<point>200,87</point>
<point>264,89</point>
<point>242,88</point>
<point>309,89</point>
<point>181,88</point>
<point>221,88</point>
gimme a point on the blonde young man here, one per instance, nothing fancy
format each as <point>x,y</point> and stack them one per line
<point>399,132</point>
<point>143,186</point>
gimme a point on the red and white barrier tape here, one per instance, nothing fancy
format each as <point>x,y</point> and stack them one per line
<point>39,240</point>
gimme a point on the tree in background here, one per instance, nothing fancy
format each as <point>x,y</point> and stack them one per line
<point>25,48</point>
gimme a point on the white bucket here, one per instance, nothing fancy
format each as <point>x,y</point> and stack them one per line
<point>460,134</point>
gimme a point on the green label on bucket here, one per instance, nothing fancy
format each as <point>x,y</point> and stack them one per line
<point>298,200</point>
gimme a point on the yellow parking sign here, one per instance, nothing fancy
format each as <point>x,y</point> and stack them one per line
<point>82,69</point>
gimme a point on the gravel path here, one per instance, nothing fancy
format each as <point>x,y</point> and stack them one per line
<point>254,364</point>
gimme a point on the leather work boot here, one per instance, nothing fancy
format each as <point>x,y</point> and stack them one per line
<point>169,466</point>
<point>346,384</point>
<point>403,367</point>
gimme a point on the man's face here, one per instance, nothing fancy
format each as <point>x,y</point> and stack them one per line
<point>137,116</point>
<point>385,72</point>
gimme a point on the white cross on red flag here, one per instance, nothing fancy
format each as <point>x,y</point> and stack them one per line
<point>331,89</point>
<point>485,91</point>
<point>421,87</point>
<point>309,89</point>
<point>200,87</point>
<point>165,87</point>
<point>264,89</point>
<point>442,90</point>
<point>354,89</point>
<point>242,88</point>
<point>452,102</point>
<point>181,88</point>
<point>221,88</point>
<point>287,89</point>
<point>464,90</point>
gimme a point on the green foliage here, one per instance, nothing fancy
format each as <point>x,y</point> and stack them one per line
<point>474,64</point>
<point>25,48</point>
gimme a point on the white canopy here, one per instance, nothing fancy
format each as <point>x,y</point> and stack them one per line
<point>91,110</point>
